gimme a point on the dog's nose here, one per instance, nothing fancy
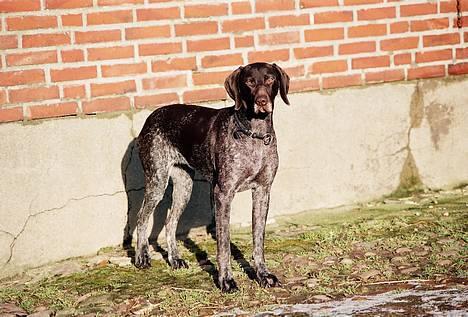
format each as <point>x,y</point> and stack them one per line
<point>261,101</point>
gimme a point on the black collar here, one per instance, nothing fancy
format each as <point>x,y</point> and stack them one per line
<point>244,128</point>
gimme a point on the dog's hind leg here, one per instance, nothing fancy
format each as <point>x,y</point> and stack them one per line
<point>182,189</point>
<point>154,191</point>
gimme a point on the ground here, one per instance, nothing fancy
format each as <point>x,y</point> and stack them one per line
<point>396,256</point>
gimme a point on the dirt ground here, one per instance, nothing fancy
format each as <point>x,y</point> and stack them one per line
<point>397,256</point>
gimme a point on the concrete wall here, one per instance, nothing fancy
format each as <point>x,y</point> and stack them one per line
<point>71,186</point>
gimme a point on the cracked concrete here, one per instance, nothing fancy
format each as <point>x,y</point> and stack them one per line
<point>71,186</point>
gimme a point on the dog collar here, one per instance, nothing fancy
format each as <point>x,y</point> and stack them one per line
<point>245,129</point>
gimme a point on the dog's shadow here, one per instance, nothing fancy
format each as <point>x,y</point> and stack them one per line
<point>199,213</point>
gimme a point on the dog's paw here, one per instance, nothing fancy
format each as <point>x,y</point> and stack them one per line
<point>178,264</point>
<point>266,280</point>
<point>228,285</point>
<point>143,259</point>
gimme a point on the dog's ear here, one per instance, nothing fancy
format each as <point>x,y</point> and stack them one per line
<point>232,87</point>
<point>283,83</point>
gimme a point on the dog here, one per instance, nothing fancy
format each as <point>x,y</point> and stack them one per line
<point>234,148</point>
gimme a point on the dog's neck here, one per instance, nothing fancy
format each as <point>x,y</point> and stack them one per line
<point>255,123</point>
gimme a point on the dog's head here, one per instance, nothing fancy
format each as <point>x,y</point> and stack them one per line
<point>255,86</point>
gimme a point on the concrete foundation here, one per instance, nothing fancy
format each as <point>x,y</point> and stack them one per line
<point>71,186</point>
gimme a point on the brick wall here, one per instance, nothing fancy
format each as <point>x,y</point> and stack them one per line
<point>74,57</point>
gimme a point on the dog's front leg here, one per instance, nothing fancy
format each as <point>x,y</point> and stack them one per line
<point>223,199</point>
<point>260,205</point>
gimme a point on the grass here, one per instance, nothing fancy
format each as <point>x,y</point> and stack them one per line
<point>305,251</point>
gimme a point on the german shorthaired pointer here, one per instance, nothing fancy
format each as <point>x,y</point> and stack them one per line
<point>234,148</point>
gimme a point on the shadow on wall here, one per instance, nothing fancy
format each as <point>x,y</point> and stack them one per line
<point>198,212</point>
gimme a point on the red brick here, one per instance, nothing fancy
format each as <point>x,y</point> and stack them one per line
<point>118,2</point>
<point>97,36</point>
<point>317,3</point>
<point>52,39</point>
<point>18,6</point>
<point>399,44</point>
<point>242,25</point>
<point>77,91</point>
<point>109,17</point>
<point>53,111</point>
<point>22,77</point>
<point>72,20</point>
<point>205,10</point>
<point>3,97</point>
<point>158,14</point>
<point>458,69</point>
<point>115,88</point>
<point>297,85</point>
<point>208,94</point>
<point>385,76</point>
<point>70,56</point>
<point>441,39</point>
<point>162,82</point>
<point>208,45</point>
<point>75,73</point>
<point>273,5</point>
<point>279,38</point>
<point>31,22</point>
<point>8,41</point>
<point>295,71</point>
<point>210,78</point>
<point>399,27</point>
<point>341,81</point>
<point>289,20</point>
<point>108,53</point>
<point>432,56</point>
<point>402,59</point>
<point>376,13</point>
<point>33,94</point>
<point>418,9</point>
<point>359,2</point>
<point>426,72</point>
<point>152,101</point>
<point>174,64</point>
<point>107,105</point>
<point>160,48</point>
<point>244,41</point>
<point>356,48</point>
<point>324,34</point>
<point>242,7</point>
<point>31,58</point>
<point>430,24</point>
<point>196,28</point>
<point>148,32</point>
<point>370,62</point>
<point>462,53</point>
<point>268,56</point>
<point>12,114</point>
<point>68,4</point>
<point>367,30</point>
<point>314,51</point>
<point>222,60</point>
<point>333,17</point>
<point>117,70</point>
<point>328,67</point>
<point>448,6</point>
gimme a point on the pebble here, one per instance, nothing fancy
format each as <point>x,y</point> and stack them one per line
<point>368,274</point>
<point>347,261</point>
<point>444,262</point>
<point>446,214</point>
<point>43,313</point>
<point>311,283</point>
<point>369,254</point>
<point>409,270</point>
<point>120,260</point>
<point>403,250</point>
<point>320,298</point>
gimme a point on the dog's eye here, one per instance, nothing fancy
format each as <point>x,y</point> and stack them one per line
<point>251,81</point>
<point>269,80</point>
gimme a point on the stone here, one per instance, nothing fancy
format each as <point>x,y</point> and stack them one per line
<point>403,250</point>
<point>409,270</point>
<point>368,274</point>
<point>120,260</point>
<point>347,261</point>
